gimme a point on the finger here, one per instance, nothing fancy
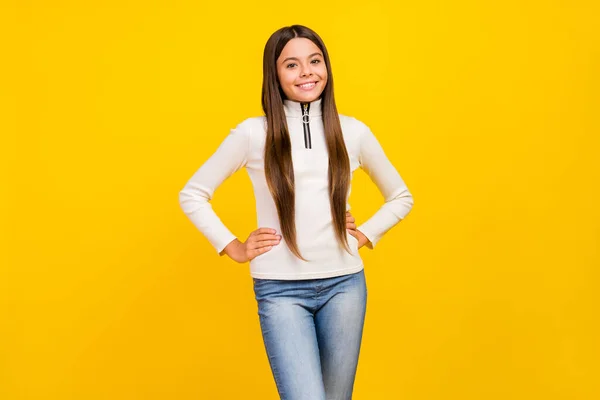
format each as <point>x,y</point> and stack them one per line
<point>257,252</point>
<point>263,239</point>
<point>265,236</point>
<point>264,243</point>
<point>353,233</point>
<point>263,230</point>
<point>350,226</point>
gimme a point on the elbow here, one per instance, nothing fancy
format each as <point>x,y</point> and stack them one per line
<point>183,197</point>
<point>405,203</point>
<point>186,200</point>
<point>192,199</point>
<point>409,202</point>
<point>399,207</point>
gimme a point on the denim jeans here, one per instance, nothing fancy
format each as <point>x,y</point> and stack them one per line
<point>312,330</point>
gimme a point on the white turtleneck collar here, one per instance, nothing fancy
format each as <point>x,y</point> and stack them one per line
<point>293,108</point>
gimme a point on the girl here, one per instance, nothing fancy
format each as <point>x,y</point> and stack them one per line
<point>307,273</point>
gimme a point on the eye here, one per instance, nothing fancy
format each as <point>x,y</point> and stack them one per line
<point>315,61</point>
<point>289,65</point>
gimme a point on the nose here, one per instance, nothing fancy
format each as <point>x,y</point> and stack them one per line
<point>306,71</point>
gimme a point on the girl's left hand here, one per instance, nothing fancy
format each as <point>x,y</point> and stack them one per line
<point>351,227</point>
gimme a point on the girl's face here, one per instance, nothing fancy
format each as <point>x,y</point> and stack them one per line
<point>301,70</point>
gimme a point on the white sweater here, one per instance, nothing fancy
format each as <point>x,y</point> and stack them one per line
<point>244,147</point>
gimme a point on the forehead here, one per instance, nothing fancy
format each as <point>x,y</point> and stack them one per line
<point>300,48</point>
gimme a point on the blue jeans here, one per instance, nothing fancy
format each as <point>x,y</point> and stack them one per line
<point>312,331</point>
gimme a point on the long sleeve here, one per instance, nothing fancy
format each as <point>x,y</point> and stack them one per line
<point>398,199</point>
<point>194,198</point>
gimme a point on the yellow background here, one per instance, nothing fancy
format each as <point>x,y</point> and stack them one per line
<point>489,110</point>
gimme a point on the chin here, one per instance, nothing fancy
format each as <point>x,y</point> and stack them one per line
<point>307,97</point>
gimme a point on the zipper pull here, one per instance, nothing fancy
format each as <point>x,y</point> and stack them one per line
<point>305,116</point>
<point>306,125</point>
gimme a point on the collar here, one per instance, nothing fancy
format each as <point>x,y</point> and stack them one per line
<point>294,108</point>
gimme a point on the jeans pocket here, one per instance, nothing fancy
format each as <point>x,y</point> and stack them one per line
<point>257,282</point>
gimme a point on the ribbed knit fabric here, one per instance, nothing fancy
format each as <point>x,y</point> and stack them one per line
<point>244,147</point>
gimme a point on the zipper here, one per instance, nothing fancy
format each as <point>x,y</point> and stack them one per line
<point>305,119</point>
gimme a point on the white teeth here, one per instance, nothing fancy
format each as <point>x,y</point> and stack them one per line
<point>308,85</point>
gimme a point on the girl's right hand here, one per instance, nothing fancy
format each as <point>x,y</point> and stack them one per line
<point>259,242</point>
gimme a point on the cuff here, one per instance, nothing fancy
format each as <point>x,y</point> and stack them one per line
<point>373,239</point>
<point>224,242</point>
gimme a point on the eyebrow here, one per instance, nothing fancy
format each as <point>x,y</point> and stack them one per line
<point>295,58</point>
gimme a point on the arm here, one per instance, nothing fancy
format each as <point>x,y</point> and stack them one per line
<point>398,199</point>
<point>194,198</point>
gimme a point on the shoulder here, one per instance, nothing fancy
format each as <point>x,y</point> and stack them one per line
<point>249,129</point>
<point>251,124</point>
<point>252,131</point>
<point>352,124</point>
<point>353,128</point>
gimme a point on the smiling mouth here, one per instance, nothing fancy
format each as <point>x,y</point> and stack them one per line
<point>308,85</point>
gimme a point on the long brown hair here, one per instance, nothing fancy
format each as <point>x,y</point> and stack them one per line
<point>279,170</point>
